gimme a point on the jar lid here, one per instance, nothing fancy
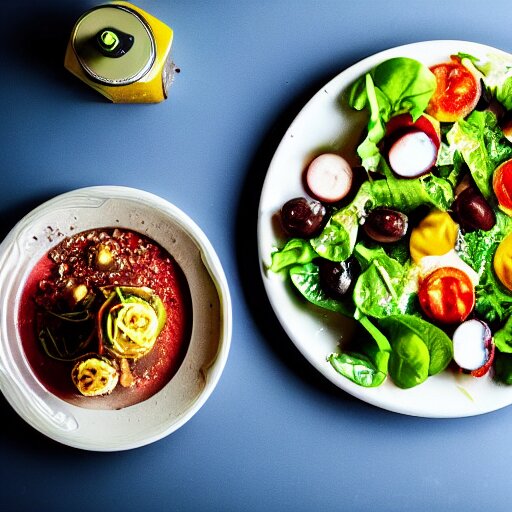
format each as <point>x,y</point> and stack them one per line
<point>114,44</point>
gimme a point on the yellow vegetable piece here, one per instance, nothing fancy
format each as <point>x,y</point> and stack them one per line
<point>435,235</point>
<point>503,262</point>
<point>133,329</point>
<point>94,376</point>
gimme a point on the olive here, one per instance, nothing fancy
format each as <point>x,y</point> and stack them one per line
<point>337,278</point>
<point>303,218</point>
<point>472,211</point>
<point>386,225</point>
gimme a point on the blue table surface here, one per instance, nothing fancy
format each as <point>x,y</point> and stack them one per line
<point>274,435</point>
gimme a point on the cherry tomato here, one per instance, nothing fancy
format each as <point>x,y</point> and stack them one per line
<point>457,91</point>
<point>447,295</point>
<point>502,185</point>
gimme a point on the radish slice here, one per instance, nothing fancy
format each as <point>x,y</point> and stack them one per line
<point>403,123</point>
<point>473,348</point>
<point>413,154</point>
<point>329,178</point>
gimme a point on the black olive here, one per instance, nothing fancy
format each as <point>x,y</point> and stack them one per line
<point>337,278</point>
<point>385,225</point>
<point>303,218</point>
<point>472,211</point>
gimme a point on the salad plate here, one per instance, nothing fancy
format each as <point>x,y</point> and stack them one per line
<point>328,124</point>
<point>92,422</point>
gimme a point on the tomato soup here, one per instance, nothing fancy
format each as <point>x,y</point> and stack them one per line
<point>59,315</point>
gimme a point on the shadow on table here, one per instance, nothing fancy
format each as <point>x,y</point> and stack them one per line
<point>11,216</point>
<point>21,436</point>
<point>247,250</point>
<point>37,45</point>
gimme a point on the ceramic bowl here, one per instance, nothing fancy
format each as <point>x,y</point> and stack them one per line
<point>210,338</point>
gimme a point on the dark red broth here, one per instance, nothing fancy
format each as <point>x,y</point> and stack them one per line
<point>142,262</point>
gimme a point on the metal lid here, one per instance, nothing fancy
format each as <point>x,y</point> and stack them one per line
<point>114,44</point>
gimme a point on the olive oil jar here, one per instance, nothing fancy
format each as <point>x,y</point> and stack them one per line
<point>122,52</point>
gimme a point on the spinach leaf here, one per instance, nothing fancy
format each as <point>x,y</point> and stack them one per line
<point>481,143</point>
<point>295,251</point>
<point>409,361</point>
<point>438,344</point>
<point>358,368</point>
<point>369,366</point>
<point>395,86</point>
<point>306,279</point>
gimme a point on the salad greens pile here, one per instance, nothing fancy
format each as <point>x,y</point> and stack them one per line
<point>396,339</point>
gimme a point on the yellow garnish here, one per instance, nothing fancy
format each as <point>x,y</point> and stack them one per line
<point>503,262</point>
<point>435,235</point>
<point>133,328</point>
<point>94,376</point>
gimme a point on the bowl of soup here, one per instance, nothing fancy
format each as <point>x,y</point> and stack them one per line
<point>116,318</point>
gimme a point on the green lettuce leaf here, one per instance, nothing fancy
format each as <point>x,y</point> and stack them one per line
<point>497,75</point>
<point>477,248</point>
<point>481,143</point>
<point>383,288</point>
<point>503,337</point>
<point>393,87</point>
<point>338,238</point>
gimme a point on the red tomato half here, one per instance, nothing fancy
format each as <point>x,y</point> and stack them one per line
<point>447,295</point>
<point>457,92</point>
<point>502,185</point>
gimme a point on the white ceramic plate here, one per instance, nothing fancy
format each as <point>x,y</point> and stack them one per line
<point>326,123</point>
<point>187,391</point>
